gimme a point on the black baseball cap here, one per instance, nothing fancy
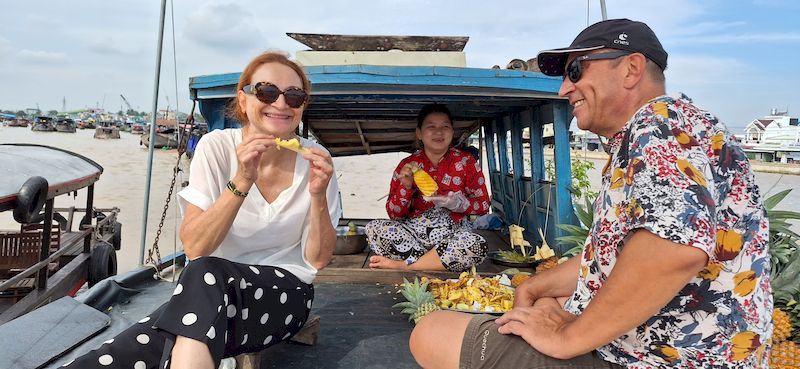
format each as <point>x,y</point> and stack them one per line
<point>622,34</point>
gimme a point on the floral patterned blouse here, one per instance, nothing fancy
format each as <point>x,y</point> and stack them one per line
<point>457,171</point>
<point>675,171</point>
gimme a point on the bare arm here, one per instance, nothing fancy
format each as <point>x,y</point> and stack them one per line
<point>321,235</point>
<point>202,231</point>
<point>649,272</point>
<point>558,282</point>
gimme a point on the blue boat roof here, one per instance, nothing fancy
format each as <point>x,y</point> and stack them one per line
<point>366,109</point>
<point>337,77</point>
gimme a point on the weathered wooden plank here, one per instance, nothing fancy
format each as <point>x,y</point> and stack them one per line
<point>328,42</point>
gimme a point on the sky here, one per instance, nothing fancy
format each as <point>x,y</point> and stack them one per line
<point>737,59</point>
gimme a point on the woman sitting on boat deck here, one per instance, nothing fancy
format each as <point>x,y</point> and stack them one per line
<point>258,224</point>
<point>432,232</point>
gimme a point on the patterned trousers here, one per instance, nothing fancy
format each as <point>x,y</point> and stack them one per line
<point>231,307</point>
<point>409,239</point>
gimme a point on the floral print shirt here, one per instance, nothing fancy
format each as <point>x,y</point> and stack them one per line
<point>675,171</point>
<point>456,171</point>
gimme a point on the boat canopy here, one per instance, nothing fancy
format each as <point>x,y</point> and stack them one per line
<point>366,109</point>
<point>64,171</point>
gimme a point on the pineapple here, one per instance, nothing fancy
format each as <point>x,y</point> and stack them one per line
<point>784,355</point>
<point>782,324</point>
<point>420,300</point>
<point>519,278</point>
<point>546,264</point>
<point>424,181</point>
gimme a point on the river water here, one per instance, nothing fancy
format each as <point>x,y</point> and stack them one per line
<point>363,182</point>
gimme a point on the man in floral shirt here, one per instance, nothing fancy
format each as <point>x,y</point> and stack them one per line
<point>675,272</point>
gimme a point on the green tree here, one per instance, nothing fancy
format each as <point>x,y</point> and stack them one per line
<point>52,113</point>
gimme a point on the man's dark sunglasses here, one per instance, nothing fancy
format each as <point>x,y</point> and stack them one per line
<point>575,69</point>
<point>268,93</point>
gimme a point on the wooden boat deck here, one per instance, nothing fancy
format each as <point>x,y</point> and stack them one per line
<point>355,269</point>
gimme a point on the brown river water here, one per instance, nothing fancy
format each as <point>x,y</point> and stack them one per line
<point>363,183</point>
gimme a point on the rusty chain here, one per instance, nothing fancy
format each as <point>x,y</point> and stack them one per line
<point>181,150</point>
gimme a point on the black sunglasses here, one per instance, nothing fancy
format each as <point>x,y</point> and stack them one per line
<point>268,93</point>
<point>575,69</point>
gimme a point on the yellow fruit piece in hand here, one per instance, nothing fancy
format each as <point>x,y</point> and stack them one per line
<point>291,144</point>
<point>424,181</point>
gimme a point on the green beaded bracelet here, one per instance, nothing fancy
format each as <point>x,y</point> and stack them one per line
<point>235,191</point>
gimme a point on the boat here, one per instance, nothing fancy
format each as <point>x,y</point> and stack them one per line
<point>106,130</point>
<point>43,124</point>
<point>48,256</point>
<point>65,125</point>
<point>362,110</point>
<point>18,122</point>
<point>165,138</point>
<point>137,128</point>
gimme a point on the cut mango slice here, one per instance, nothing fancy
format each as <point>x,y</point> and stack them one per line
<point>424,181</point>
<point>291,144</point>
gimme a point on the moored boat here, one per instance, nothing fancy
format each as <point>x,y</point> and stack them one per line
<point>106,130</point>
<point>65,125</point>
<point>43,124</point>
<point>48,256</point>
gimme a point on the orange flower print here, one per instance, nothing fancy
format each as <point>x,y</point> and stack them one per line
<point>690,171</point>
<point>729,244</point>
<point>617,179</point>
<point>744,344</point>
<point>608,165</point>
<point>635,166</point>
<point>660,108</point>
<point>684,139</point>
<point>711,271</point>
<point>668,353</point>
<point>717,142</point>
<point>744,283</point>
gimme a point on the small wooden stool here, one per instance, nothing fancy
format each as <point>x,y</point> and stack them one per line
<point>308,335</point>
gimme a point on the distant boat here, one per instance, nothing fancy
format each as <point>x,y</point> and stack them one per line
<point>19,122</point>
<point>165,138</point>
<point>65,125</point>
<point>43,124</point>
<point>106,130</point>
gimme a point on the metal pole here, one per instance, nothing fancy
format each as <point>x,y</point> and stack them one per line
<point>603,9</point>
<point>152,132</point>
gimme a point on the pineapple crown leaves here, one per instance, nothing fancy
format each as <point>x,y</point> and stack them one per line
<point>416,294</point>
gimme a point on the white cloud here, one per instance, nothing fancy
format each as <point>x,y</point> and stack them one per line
<point>746,38</point>
<point>225,27</point>
<point>42,57</point>
<point>108,46</point>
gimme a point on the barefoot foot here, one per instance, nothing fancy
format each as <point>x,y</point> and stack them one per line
<point>382,262</point>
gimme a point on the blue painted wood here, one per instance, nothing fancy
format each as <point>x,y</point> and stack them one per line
<point>528,186</point>
<point>334,75</point>
<point>539,202</point>
<point>518,168</point>
<point>564,209</point>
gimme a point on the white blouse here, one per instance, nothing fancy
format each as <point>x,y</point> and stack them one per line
<point>263,233</point>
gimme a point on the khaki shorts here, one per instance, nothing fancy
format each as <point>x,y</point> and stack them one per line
<point>484,347</point>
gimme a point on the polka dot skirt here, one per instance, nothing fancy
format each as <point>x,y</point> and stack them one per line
<point>233,308</point>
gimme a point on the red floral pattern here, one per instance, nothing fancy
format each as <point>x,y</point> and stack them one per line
<point>457,171</point>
